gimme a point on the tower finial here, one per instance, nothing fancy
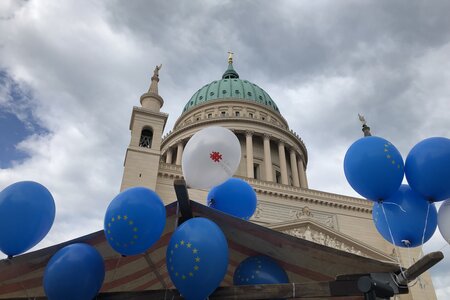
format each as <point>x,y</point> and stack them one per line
<point>230,72</point>
<point>155,79</point>
<point>365,128</point>
<point>230,57</point>
<point>152,100</point>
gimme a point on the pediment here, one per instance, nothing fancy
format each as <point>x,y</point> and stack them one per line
<point>269,213</point>
<point>316,232</point>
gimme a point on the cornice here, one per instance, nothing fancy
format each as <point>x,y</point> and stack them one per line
<point>288,192</point>
<point>301,148</point>
<point>147,112</point>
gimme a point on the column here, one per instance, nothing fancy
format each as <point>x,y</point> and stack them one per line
<point>267,158</point>
<point>169,156</point>
<point>294,169</point>
<point>302,172</point>
<point>179,153</point>
<point>283,167</point>
<point>249,152</point>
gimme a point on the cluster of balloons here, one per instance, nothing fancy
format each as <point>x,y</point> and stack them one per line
<point>27,209</point>
<point>134,221</point>
<point>197,254</point>
<point>405,215</point>
<point>210,159</point>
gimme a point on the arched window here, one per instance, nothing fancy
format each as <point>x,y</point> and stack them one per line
<point>146,138</point>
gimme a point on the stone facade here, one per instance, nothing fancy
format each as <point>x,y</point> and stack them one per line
<point>273,161</point>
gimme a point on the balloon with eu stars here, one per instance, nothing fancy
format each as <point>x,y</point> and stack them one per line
<point>259,269</point>
<point>75,272</point>
<point>211,156</point>
<point>235,197</point>
<point>427,168</point>
<point>134,220</point>
<point>406,219</point>
<point>27,210</point>
<point>197,258</point>
<point>374,168</point>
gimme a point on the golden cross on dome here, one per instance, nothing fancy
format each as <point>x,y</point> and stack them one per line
<point>230,57</point>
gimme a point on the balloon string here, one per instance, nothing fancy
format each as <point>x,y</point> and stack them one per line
<point>411,261</point>
<point>392,238</point>
<point>408,250</point>
<point>425,228</point>
<point>396,205</point>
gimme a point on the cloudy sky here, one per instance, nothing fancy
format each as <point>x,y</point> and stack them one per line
<point>71,71</point>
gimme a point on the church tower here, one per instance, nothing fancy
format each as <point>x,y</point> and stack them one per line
<point>147,125</point>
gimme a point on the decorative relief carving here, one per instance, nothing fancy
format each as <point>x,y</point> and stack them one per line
<point>323,239</point>
<point>276,213</point>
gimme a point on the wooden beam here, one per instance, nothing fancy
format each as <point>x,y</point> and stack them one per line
<point>183,200</point>
<point>420,267</point>
<point>286,291</point>
<point>154,269</point>
<point>248,292</point>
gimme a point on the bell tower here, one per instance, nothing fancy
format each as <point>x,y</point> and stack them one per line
<point>146,125</point>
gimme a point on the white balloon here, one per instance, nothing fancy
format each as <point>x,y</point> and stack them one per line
<point>444,220</point>
<point>210,157</point>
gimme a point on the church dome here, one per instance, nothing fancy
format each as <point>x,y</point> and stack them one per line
<point>231,87</point>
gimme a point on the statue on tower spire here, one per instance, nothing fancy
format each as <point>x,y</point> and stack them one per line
<point>155,79</point>
<point>152,100</point>
<point>156,71</point>
<point>365,128</point>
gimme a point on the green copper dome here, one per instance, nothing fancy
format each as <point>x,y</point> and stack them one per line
<point>230,86</point>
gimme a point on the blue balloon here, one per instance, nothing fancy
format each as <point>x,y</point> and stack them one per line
<point>27,212</point>
<point>427,168</point>
<point>75,272</point>
<point>197,258</point>
<point>134,220</point>
<point>235,197</point>
<point>406,214</point>
<point>259,269</point>
<point>374,168</point>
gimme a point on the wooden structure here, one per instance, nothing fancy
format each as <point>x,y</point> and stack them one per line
<point>317,271</point>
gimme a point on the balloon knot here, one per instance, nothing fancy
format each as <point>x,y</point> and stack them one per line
<point>10,257</point>
<point>407,243</point>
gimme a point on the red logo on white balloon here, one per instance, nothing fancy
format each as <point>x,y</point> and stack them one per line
<point>216,156</point>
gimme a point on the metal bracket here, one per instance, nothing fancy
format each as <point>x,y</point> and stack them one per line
<point>183,200</point>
